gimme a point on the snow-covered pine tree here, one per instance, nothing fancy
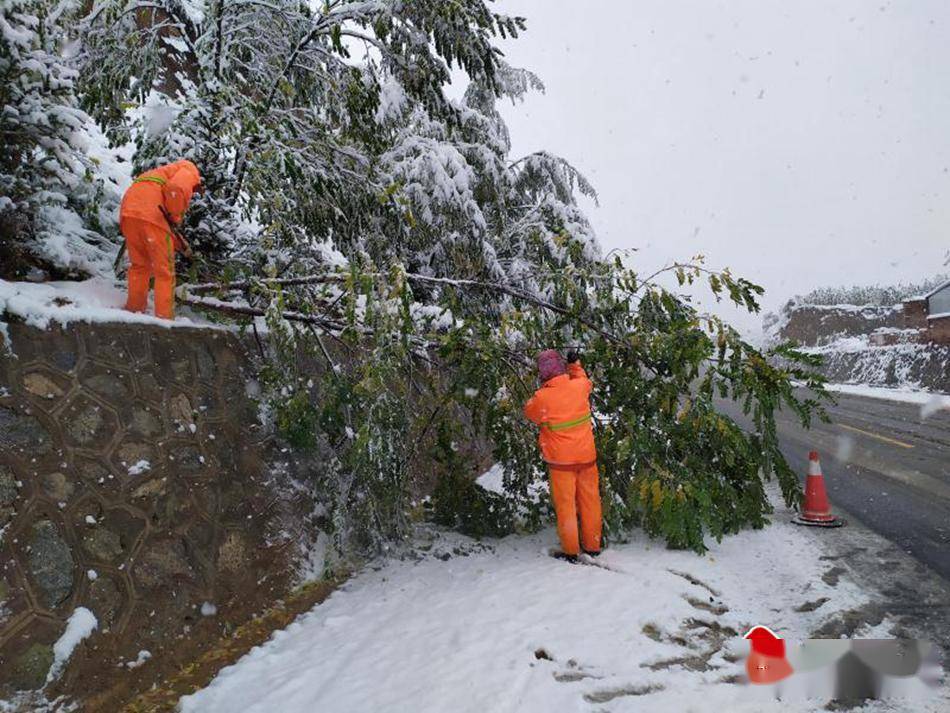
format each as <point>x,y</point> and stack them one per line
<point>54,205</point>
<point>880,295</point>
<point>284,106</point>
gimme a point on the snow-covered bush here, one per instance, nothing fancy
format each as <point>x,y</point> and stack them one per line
<point>464,505</point>
<point>55,206</point>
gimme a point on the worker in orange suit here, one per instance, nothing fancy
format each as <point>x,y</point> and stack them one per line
<point>561,407</point>
<point>149,217</point>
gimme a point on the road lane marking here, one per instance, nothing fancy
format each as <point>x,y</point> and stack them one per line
<point>879,437</point>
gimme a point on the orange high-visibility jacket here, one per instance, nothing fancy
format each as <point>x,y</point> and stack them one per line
<point>561,407</point>
<point>169,187</point>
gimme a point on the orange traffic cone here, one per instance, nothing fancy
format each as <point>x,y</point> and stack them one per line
<point>816,510</point>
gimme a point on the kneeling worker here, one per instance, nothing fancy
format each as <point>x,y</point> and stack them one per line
<point>561,407</point>
<point>149,217</point>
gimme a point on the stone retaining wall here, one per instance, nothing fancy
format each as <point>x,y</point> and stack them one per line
<point>133,482</point>
<point>813,325</point>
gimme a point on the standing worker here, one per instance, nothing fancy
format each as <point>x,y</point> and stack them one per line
<point>149,217</point>
<point>561,407</point>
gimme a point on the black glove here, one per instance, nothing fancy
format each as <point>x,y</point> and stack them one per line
<point>573,357</point>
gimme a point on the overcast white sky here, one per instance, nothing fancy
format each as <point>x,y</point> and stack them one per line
<point>801,142</point>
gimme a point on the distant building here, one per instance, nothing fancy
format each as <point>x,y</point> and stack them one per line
<point>927,316</point>
<point>930,315</point>
<point>915,313</point>
<point>938,313</point>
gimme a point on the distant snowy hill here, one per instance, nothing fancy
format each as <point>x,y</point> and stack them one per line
<point>871,343</point>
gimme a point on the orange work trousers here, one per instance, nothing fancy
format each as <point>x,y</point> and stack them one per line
<point>575,492</point>
<point>151,255</point>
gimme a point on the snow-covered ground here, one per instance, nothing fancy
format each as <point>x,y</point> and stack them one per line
<point>98,299</point>
<point>907,395</point>
<point>501,626</point>
<point>930,402</point>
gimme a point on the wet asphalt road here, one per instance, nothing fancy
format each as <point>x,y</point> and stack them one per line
<point>885,465</point>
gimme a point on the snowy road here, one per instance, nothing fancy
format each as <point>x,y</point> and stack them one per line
<point>500,626</point>
<point>886,462</point>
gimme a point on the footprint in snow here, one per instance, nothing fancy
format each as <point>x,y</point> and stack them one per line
<point>572,674</point>
<point>694,581</point>
<point>811,606</point>
<point>609,694</point>
<point>711,606</point>
<point>832,576</point>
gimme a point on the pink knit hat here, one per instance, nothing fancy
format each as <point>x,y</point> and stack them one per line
<point>550,364</point>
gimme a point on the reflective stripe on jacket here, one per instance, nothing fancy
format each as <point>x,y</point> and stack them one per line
<point>170,187</point>
<point>561,407</point>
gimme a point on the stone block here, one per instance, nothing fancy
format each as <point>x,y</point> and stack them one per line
<point>114,535</point>
<point>205,362</point>
<point>87,424</point>
<point>186,458</point>
<point>232,553</point>
<point>106,600</point>
<point>31,667</point>
<point>113,386</point>
<point>58,348</point>
<point>148,386</point>
<point>145,422</point>
<point>23,433</point>
<point>173,360</point>
<point>64,359</point>
<point>9,490</point>
<point>45,385</point>
<point>50,563</point>
<point>162,562</point>
<point>130,453</point>
<point>103,544</point>
<point>100,478</point>
<point>181,413</point>
<point>150,489</point>
<point>57,487</point>
<point>137,345</point>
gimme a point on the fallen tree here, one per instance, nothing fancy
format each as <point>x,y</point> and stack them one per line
<point>671,461</point>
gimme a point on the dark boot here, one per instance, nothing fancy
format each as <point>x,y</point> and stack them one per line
<point>564,556</point>
<point>603,546</point>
